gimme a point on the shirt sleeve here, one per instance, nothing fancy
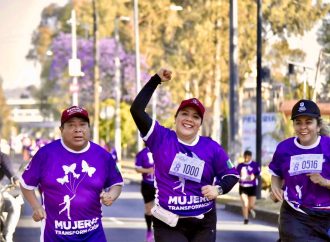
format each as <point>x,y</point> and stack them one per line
<point>30,178</point>
<point>114,175</point>
<point>274,165</point>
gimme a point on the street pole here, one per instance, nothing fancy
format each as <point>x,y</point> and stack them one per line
<point>258,93</point>
<point>96,75</point>
<point>233,92</point>
<point>117,93</point>
<point>137,61</point>
<point>216,129</point>
<point>74,56</point>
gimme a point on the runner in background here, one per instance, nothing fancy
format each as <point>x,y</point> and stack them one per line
<point>249,171</point>
<point>144,164</point>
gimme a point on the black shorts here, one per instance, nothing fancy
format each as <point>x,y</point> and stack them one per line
<point>187,229</point>
<point>297,226</point>
<point>250,191</point>
<point>148,192</point>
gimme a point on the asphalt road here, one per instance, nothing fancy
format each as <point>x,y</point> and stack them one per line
<point>124,222</point>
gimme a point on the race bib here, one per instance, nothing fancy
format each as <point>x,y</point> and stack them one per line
<point>306,163</point>
<point>190,168</point>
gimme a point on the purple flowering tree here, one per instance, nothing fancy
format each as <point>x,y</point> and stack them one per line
<point>58,71</point>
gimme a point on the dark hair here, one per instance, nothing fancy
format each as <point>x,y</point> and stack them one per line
<point>247,153</point>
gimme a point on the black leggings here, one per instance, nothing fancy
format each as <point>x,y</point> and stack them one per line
<point>187,229</point>
<point>296,226</point>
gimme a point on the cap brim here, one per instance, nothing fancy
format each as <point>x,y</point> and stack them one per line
<point>77,116</point>
<point>313,115</point>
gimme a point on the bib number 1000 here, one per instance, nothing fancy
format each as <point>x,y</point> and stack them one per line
<point>190,170</point>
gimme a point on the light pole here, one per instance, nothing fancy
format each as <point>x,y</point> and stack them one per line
<point>317,72</point>
<point>291,65</point>
<point>74,62</point>
<point>118,88</point>
<point>137,60</point>
<point>259,94</point>
<point>96,75</point>
<point>233,93</point>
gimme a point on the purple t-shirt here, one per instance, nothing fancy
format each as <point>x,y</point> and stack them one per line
<point>245,170</point>
<point>144,160</point>
<point>181,170</point>
<point>292,161</point>
<point>70,184</point>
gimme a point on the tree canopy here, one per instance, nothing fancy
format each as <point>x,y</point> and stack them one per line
<point>185,41</point>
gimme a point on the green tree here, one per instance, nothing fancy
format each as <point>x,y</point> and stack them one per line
<point>5,122</point>
<point>187,40</point>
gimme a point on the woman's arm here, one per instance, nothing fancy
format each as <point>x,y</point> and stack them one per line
<point>141,118</point>
<point>276,185</point>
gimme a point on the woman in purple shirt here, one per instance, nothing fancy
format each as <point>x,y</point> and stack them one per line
<point>144,164</point>
<point>249,171</point>
<point>300,171</point>
<point>190,170</point>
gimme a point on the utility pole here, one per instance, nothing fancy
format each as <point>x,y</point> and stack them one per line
<point>74,62</point>
<point>216,133</point>
<point>96,75</point>
<point>137,61</point>
<point>117,93</point>
<point>258,93</point>
<point>233,92</point>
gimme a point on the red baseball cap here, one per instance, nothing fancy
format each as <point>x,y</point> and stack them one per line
<point>74,111</point>
<point>192,102</point>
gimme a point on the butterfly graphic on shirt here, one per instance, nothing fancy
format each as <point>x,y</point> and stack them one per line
<point>63,180</point>
<point>88,169</point>
<point>72,179</point>
<point>71,169</point>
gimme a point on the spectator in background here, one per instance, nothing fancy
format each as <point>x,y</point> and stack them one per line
<point>249,171</point>
<point>11,205</point>
<point>144,164</point>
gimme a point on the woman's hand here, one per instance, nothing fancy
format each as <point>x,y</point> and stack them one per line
<point>164,74</point>
<point>276,193</point>
<point>106,198</point>
<point>210,192</point>
<point>317,178</point>
<point>38,214</point>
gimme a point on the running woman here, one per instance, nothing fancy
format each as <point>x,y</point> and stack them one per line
<point>144,164</point>
<point>73,175</point>
<point>300,171</point>
<point>249,171</point>
<point>191,171</point>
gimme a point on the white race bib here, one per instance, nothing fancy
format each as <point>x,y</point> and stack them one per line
<point>190,168</point>
<point>306,163</point>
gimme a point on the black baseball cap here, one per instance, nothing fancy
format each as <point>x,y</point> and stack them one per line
<point>305,107</point>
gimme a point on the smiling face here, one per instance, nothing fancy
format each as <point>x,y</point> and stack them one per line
<point>75,133</point>
<point>307,129</point>
<point>187,124</point>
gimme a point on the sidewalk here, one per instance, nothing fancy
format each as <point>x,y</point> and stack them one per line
<point>266,209</point>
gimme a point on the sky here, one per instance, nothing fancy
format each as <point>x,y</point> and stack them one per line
<point>18,20</point>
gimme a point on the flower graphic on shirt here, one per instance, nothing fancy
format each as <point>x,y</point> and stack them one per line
<point>71,180</point>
